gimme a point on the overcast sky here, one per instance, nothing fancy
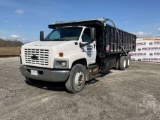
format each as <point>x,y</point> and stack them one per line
<point>23,19</point>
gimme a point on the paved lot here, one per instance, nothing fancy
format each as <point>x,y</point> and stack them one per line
<point>133,94</point>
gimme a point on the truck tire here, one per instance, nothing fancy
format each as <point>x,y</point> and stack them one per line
<point>77,78</point>
<point>127,61</point>
<point>122,64</point>
<point>117,65</point>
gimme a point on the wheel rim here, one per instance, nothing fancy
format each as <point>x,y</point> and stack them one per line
<point>128,62</point>
<point>124,63</point>
<point>79,78</point>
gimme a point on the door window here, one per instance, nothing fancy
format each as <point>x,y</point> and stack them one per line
<point>86,37</point>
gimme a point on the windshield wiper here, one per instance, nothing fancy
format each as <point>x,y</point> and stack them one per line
<point>64,39</point>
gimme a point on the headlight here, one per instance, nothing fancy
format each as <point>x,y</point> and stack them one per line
<point>63,64</point>
<point>60,63</point>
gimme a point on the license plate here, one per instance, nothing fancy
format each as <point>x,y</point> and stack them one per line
<point>34,72</point>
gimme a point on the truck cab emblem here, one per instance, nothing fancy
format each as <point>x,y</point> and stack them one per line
<point>34,57</point>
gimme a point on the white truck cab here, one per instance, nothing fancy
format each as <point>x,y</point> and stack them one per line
<point>60,49</point>
<point>72,53</point>
<point>52,58</point>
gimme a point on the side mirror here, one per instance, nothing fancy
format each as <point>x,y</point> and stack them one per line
<point>93,34</point>
<point>41,35</point>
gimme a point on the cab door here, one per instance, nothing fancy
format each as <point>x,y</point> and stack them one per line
<point>90,49</point>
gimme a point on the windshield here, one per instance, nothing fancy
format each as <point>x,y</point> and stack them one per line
<point>64,34</point>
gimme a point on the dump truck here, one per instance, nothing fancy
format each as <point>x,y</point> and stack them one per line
<point>77,51</point>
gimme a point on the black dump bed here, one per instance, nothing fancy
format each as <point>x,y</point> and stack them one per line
<point>117,40</point>
<point>109,39</point>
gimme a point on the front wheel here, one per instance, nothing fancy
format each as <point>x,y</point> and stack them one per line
<point>77,78</point>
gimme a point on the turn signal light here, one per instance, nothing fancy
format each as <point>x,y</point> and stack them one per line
<point>60,54</point>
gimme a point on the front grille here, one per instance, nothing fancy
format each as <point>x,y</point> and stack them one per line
<point>37,56</point>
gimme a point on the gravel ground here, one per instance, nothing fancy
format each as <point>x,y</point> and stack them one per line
<point>133,94</point>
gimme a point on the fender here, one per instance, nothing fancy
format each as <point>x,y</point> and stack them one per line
<point>74,57</point>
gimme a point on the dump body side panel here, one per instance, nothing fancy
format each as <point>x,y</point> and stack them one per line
<point>117,39</point>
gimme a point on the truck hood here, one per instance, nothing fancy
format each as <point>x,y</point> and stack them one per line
<point>55,46</point>
<point>44,43</point>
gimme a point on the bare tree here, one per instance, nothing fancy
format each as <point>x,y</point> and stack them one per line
<point>10,43</point>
